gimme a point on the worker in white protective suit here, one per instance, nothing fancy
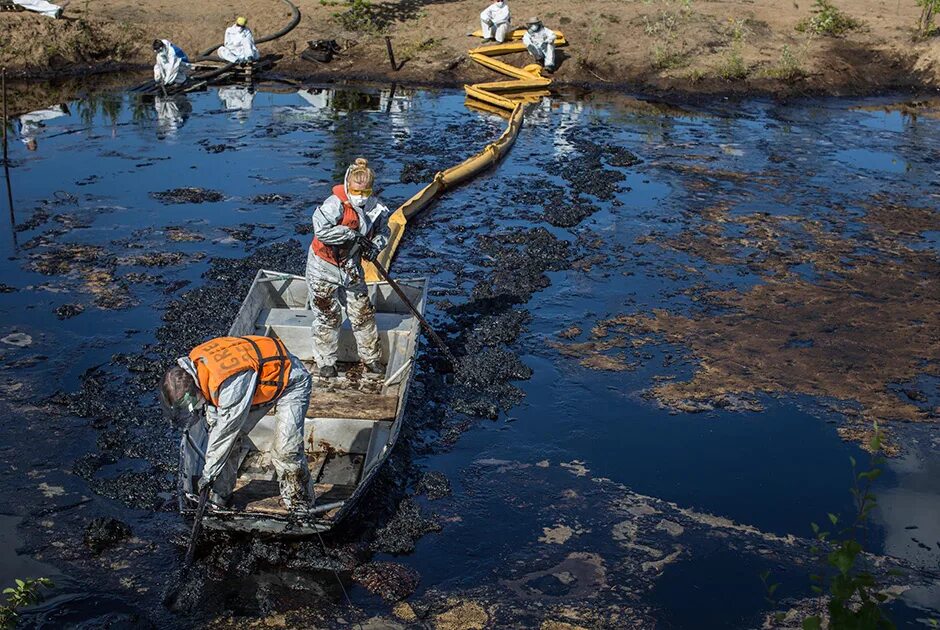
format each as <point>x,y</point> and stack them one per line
<point>234,382</point>
<point>172,113</point>
<point>349,226</point>
<point>29,126</point>
<point>494,22</point>
<point>41,6</point>
<point>540,42</point>
<point>239,46</point>
<point>237,99</point>
<point>172,65</point>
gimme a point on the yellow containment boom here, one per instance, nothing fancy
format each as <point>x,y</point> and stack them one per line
<point>503,98</point>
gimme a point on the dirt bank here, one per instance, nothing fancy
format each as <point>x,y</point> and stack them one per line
<point>756,46</point>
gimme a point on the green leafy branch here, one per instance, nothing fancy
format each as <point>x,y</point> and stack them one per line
<point>24,594</point>
<point>855,597</point>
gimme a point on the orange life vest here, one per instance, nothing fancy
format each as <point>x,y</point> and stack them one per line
<point>224,357</point>
<point>336,254</point>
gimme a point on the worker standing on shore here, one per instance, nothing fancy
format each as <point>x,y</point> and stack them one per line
<point>349,226</point>
<point>239,46</point>
<point>172,63</point>
<point>41,6</point>
<point>494,22</point>
<point>235,381</point>
<point>540,42</point>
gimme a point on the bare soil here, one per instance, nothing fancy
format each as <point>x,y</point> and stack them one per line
<point>692,46</point>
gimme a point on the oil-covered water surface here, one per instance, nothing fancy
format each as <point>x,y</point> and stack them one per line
<point>676,328</point>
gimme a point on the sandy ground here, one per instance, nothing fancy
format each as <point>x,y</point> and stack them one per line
<point>654,45</point>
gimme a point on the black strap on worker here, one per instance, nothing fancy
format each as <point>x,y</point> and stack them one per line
<point>281,357</point>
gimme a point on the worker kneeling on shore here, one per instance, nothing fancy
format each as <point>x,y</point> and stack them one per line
<point>235,381</point>
<point>349,226</point>
<point>172,64</point>
<point>239,46</point>
<point>540,42</point>
<point>494,22</point>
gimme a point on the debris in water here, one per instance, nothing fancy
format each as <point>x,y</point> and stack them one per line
<point>20,340</point>
<point>403,531</point>
<point>434,485</point>
<point>188,195</point>
<point>67,311</point>
<point>389,580</point>
<point>105,532</point>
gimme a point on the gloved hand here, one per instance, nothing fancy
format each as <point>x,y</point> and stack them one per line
<point>368,249</point>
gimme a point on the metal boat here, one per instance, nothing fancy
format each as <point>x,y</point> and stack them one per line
<point>352,422</point>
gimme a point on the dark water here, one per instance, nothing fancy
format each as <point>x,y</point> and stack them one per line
<point>777,470</point>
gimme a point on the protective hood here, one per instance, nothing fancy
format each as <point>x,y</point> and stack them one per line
<point>357,201</point>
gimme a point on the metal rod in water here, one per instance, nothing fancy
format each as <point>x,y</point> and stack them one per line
<point>6,160</point>
<point>391,53</point>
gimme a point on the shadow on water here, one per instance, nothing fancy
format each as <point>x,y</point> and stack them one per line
<point>572,482</point>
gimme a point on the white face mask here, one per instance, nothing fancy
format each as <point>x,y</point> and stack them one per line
<point>533,28</point>
<point>358,201</point>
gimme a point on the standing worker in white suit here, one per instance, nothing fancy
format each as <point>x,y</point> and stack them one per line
<point>351,225</point>
<point>540,42</point>
<point>239,46</point>
<point>41,6</point>
<point>494,22</point>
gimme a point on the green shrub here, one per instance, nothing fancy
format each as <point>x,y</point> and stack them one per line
<point>25,593</point>
<point>828,20</point>
<point>855,599</point>
<point>788,68</point>
<point>929,8</point>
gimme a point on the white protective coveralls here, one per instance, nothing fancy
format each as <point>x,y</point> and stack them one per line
<point>238,99</point>
<point>333,286</point>
<point>232,420</point>
<point>172,64</point>
<point>494,21</point>
<point>40,6</point>
<point>32,124</point>
<point>239,45</point>
<point>172,113</point>
<point>541,45</point>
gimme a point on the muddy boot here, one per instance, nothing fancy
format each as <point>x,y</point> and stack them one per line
<point>297,492</point>
<point>218,502</point>
<point>328,371</point>
<point>375,368</point>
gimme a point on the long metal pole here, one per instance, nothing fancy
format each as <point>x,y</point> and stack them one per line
<point>411,307</point>
<point>6,160</point>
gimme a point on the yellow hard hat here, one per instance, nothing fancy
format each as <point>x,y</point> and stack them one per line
<point>241,20</point>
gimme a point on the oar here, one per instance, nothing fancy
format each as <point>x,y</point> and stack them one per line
<point>411,307</point>
<point>170,598</point>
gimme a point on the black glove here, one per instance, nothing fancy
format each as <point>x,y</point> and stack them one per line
<point>354,250</point>
<point>369,251</point>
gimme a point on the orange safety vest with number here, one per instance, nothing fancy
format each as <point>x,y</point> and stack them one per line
<point>222,358</point>
<point>335,254</point>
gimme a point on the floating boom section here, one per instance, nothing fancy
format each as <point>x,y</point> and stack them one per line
<point>503,98</point>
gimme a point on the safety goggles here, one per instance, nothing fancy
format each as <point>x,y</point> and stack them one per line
<point>360,192</point>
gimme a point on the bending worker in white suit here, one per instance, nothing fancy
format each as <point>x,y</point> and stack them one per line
<point>494,22</point>
<point>239,44</point>
<point>41,6</point>
<point>540,42</point>
<point>172,63</point>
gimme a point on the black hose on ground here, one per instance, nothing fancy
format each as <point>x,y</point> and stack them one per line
<point>294,21</point>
